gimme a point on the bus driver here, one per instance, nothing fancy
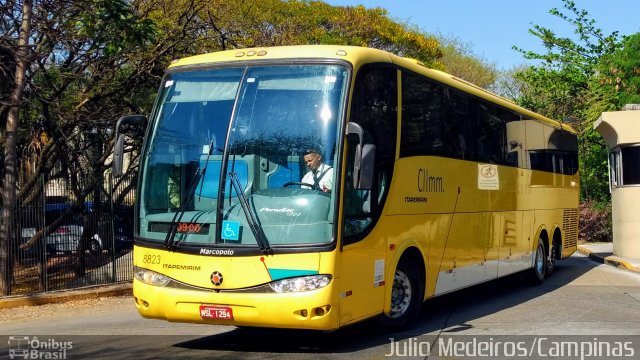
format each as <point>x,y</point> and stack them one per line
<point>319,174</point>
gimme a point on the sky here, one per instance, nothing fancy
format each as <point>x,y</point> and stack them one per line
<point>491,28</point>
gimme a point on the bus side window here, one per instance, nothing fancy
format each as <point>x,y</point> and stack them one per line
<point>423,114</point>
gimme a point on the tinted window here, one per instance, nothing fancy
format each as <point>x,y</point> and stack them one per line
<point>492,134</point>
<point>438,120</point>
<point>443,121</point>
<point>374,107</point>
<point>630,165</point>
<point>554,161</point>
<point>541,160</point>
<point>423,112</point>
<point>461,142</point>
<point>569,164</point>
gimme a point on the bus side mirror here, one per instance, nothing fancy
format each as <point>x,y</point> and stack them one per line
<point>364,159</point>
<point>118,153</point>
<point>118,149</point>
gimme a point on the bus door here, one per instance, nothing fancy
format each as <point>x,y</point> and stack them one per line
<point>362,279</point>
<point>363,258</point>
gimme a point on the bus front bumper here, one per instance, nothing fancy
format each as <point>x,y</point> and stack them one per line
<point>297,310</point>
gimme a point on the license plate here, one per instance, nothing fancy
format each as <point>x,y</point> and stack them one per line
<point>216,312</point>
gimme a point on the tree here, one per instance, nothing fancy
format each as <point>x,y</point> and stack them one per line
<point>459,60</point>
<point>561,87</point>
<point>87,68</point>
<point>92,61</point>
<point>617,77</point>
<point>226,24</point>
<point>10,139</point>
<point>507,85</point>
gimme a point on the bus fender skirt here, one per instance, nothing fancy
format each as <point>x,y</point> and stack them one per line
<point>541,233</point>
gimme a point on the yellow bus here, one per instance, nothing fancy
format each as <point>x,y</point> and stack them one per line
<point>431,185</point>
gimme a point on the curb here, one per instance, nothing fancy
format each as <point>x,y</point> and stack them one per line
<point>608,260</point>
<point>63,296</point>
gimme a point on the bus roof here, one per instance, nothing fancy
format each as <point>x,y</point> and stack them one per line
<point>352,54</point>
<point>358,56</point>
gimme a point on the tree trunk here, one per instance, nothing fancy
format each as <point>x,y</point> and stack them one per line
<point>7,230</point>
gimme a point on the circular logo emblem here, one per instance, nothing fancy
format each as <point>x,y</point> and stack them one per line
<point>488,171</point>
<point>216,278</point>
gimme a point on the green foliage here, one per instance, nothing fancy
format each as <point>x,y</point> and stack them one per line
<point>593,166</point>
<point>458,59</point>
<point>88,65</point>
<point>94,60</point>
<point>224,24</point>
<point>614,83</point>
<point>111,27</point>
<point>617,79</point>
<point>569,84</point>
<point>555,93</point>
<point>563,52</point>
<point>360,26</point>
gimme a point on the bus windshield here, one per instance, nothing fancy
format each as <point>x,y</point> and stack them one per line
<point>250,128</point>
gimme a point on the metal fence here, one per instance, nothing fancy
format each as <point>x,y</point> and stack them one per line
<point>61,243</point>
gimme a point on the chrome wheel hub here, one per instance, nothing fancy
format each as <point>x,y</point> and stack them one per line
<point>400,294</point>
<point>539,261</point>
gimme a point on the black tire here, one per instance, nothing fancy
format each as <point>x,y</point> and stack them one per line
<point>551,261</point>
<point>94,247</point>
<point>406,296</point>
<point>539,270</point>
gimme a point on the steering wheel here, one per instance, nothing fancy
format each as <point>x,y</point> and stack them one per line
<point>297,183</point>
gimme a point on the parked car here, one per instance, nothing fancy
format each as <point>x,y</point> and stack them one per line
<point>122,236</point>
<point>122,232</point>
<point>65,240</point>
<point>66,237</point>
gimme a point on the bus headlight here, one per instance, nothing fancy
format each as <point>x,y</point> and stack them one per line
<point>304,283</point>
<point>150,277</point>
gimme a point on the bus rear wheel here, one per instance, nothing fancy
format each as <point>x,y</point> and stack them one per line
<point>539,270</point>
<point>551,261</point>
<point>406,296</point>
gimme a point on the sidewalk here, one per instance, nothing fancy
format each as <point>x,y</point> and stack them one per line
<point>603,253</point>
<point>67,295</point>
<point>96,283</point>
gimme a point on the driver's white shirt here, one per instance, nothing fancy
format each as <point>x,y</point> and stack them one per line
<point>325,182</point>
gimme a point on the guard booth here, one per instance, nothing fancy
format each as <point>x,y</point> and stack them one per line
<point>621,131</point>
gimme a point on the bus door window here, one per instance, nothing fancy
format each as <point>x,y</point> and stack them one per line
<point>374,108</point>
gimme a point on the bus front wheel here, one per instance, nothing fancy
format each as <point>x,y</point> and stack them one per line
<point>539,270</point>
<point>406,296</point>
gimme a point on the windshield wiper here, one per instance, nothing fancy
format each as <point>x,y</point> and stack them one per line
<point>255,227</point>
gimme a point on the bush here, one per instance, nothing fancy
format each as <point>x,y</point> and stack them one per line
<point>595,222</point>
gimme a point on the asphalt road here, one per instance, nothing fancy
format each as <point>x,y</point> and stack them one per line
<point>592,302</point>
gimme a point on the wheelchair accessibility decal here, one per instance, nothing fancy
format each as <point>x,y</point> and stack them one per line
<point>230,230</point>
